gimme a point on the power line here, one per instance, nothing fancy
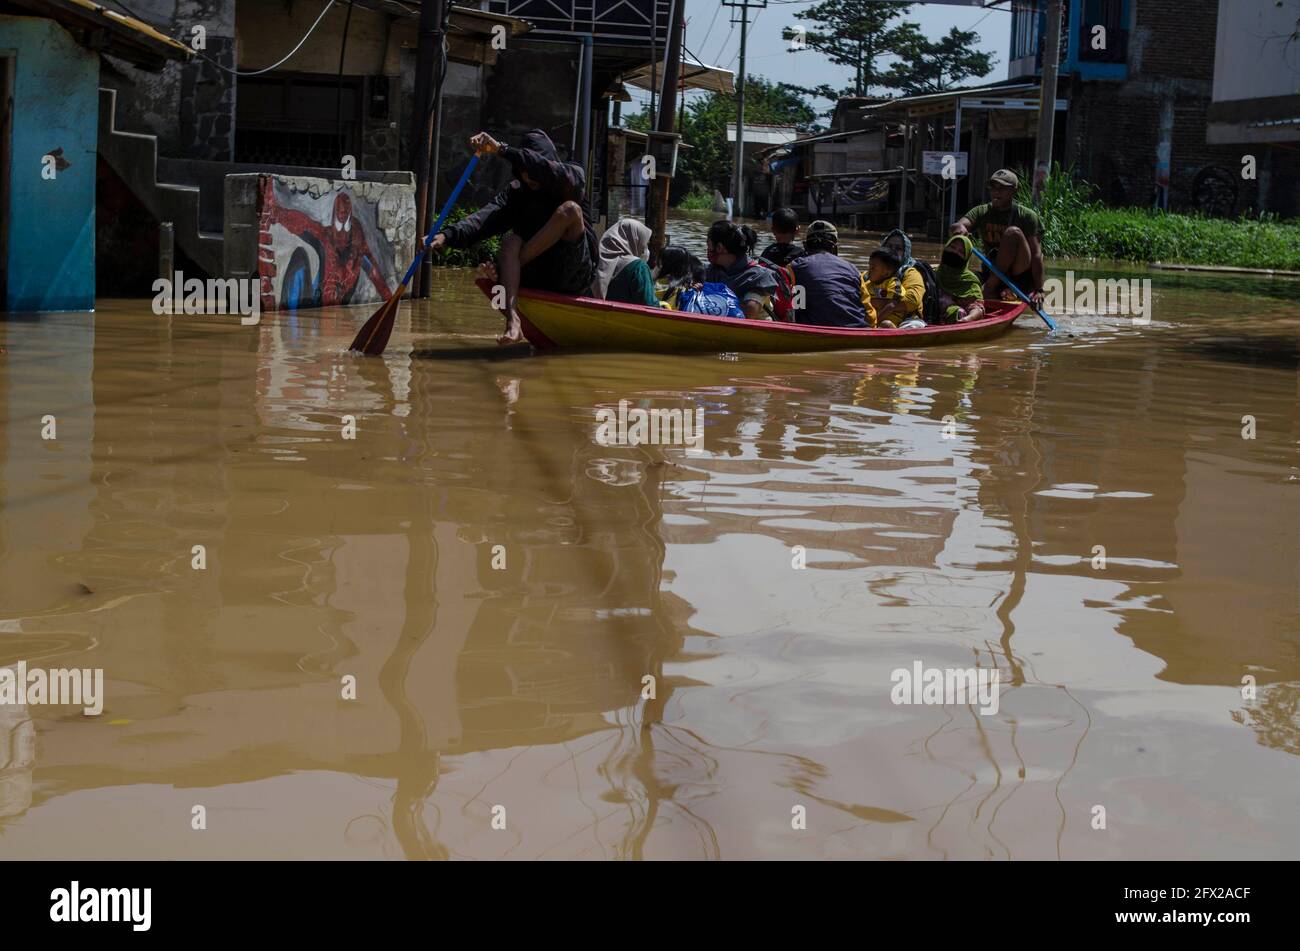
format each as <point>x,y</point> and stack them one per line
<point>255,72</point>
<point>705,41</point>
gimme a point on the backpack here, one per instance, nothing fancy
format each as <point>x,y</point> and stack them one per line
<point>931,311</point>
<point>714,299</point>
<point>782,305</point>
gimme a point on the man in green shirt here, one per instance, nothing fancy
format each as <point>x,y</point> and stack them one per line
<point>1010,234</point>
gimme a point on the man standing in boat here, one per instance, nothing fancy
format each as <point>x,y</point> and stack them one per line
<point>1011,235</point>
<point>551,244</point>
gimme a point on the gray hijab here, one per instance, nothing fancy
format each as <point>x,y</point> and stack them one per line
<point>627,241</point>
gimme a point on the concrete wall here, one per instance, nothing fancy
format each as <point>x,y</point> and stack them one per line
<point>1251,49</point>
<point>317,242</point>
<point>51,262</point>
<point>190,107</point>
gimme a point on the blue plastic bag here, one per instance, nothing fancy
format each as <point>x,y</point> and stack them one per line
<point>714,299</point>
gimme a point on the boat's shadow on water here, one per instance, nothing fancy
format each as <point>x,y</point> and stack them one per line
<point>491,352</point>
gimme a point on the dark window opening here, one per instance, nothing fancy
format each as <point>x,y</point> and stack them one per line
<point>295,120</point>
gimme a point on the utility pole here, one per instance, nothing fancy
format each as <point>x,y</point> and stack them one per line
<point>1047,95</point>
<point>737,183</point>
<point>422,116</point>
<point>657,203</point>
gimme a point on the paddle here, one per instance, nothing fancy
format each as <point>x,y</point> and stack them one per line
<point>1002,277</point>
<point>373,336</point>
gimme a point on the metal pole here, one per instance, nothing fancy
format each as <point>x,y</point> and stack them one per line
<point>422,117</point>
<point>584,99</point>
<point>166,251</point>
<point>738,187</point>
<point>902,175</point>
<point>1047,96</point>
<point>956,151</point>
<point>431,193</point>
<point>654,59</point>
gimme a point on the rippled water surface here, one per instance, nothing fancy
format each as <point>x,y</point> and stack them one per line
<point>950,505</point>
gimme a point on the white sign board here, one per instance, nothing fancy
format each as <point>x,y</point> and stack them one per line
<point>945,164</point>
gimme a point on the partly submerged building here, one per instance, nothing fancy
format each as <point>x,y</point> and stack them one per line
<point>50,73</point>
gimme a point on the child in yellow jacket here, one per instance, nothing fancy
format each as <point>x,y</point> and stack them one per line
<point>889,301</point>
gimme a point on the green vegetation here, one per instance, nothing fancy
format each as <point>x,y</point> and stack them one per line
<point>706,165</point>
<point>857,33</point>
<point>466,257</point>
<point>1079,226</point>
<point>699,199</point>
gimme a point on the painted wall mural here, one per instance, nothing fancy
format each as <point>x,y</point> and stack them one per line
<point>323,242</point>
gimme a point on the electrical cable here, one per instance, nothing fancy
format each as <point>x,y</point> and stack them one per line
<point>255,72</point>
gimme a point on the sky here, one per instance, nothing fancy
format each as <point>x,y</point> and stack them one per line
<point>711,37</point>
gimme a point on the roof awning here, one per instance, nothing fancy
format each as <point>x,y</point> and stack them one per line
<point>463,19</point>
<point>764,134</point>
<point>107,31</point>
<point>694,76</point>
<point>1006,95</point>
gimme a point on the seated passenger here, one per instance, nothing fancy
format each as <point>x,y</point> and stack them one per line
<point>832,289</point>
<point>913,284</point>
<point>961,298</point>
<point>678,269</point>
<point>622,272</point>
<point>752,283</point>
<point>785,228</point>
<point>882,291</point>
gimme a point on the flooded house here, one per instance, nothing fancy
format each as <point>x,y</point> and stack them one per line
<point>53,59</point>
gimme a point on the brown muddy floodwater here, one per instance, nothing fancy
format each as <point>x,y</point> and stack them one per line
<point>970,544</point>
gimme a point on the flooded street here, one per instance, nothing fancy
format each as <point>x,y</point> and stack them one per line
<point>499,584</point>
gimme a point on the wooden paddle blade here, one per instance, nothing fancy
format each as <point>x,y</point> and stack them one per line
<point>373,336</point>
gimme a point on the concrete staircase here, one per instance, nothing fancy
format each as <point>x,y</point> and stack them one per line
<point>134,157</point>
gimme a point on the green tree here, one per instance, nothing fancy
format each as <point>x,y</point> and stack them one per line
<point>709,159</point>
<point>855,33</point>
<point>927,66</point>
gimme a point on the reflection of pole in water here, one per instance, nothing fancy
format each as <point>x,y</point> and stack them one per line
<point>416,766</point>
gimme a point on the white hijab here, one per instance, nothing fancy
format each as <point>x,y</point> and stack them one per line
<point>627,241</point>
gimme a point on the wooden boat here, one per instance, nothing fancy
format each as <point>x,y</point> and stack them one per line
<point>552,321</point>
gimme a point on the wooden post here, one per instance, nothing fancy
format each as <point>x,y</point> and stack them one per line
<point>657,199</point>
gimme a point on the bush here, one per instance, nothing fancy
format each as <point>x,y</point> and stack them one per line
<point>1076,225</point>
<point>472,256</point>
<point>698,199</point>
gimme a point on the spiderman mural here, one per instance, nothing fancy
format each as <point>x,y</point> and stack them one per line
<point>313,263</point>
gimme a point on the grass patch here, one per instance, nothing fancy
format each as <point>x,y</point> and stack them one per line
<point>1079,226</point>
<point>697,199</point>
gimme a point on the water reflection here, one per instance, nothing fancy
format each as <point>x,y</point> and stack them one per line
<point>500,586</point>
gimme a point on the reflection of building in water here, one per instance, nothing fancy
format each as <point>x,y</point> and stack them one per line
<point>232,674</point>
<point>1164,491</point>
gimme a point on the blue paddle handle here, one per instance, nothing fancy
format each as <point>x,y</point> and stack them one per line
<point>1003,278</point>
<point>437,225</point>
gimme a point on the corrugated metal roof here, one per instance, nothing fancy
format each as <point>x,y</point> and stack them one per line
<point>115,33</point>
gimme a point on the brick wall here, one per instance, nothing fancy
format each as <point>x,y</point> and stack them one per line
<point>1114,127</point>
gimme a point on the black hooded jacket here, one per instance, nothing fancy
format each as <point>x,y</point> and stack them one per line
<point>519,208</point>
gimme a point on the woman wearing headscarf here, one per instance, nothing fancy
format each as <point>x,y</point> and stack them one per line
<point>623,274</point>
<point>911,286</point>
<point>961,295</point>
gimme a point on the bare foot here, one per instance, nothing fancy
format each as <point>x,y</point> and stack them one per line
<point>514,333</point>
<point>488,270</point>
